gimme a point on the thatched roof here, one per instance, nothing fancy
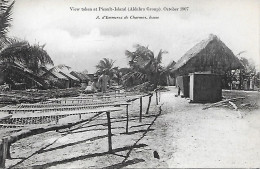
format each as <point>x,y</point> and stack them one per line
<point>59,75</point>
<point>68,75</point>
<point>208,55</point>
<point>80,76</point>
<point>45,73</point>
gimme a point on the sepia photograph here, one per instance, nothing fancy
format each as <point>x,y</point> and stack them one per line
<point>129,84</point>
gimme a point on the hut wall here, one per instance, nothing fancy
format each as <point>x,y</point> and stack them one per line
<point>83,84</point>
<point>183,82</point>
<point>205,87</point>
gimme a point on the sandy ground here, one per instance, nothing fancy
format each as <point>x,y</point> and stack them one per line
<point>184,135</point>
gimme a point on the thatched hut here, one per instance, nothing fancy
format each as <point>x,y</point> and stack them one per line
<point>83,78</point>
<point>73,81</point>
<point>55,78</point>
<point>209,55</point>
<point>203,64</point>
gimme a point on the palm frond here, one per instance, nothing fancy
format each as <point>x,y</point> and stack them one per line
<point>105,64</point>
<point>130,55</point>
<point>5,18</point>
<point>15,51</point>
<point>159,57</point>
<point>40,55</point>
<point>134,75</point>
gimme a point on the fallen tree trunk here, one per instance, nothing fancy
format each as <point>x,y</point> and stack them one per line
<point>222,102</point>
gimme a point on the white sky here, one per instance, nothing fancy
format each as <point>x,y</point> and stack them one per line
<point>78,40</point>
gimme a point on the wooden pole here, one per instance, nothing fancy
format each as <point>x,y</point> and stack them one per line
<point>156,98</point>
<point>126,130</point>
<point>109,133</point>
<point>159,96</point>
<point>79,116</point>
<point>3,152</point>
<point>57,119</point>
<point>141,107</point>
<point>149,103</point>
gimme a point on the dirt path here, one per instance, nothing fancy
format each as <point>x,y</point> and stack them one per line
<point>192,137</point>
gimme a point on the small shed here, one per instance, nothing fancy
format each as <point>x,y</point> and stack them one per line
<point>205,87</point>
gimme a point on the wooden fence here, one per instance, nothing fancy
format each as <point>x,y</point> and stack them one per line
<point>25,114</point>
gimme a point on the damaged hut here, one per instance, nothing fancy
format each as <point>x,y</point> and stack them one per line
<point>83,78</point>
<point>199,72</point>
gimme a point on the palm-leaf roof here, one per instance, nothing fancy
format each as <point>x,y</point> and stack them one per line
<point>209,54</point>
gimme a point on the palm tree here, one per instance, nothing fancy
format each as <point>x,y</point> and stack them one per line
<point>20,58</point>
<point>31,56</point>
<point>107,65</point>
<point>145,66</point>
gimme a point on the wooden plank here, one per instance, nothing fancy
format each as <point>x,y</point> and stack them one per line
<point>60,113</point>
<point>64,107</point>
<point>11,125</point>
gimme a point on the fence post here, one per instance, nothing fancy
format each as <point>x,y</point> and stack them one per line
<point>149,102</point>
<point>57,119</point>
<point>159,96</point>
<point>156,97</point>
<point>79,116</point>
<point>109,133</point>
<point>3,152</point>
<point>141,107</point>
<point>126,119</point>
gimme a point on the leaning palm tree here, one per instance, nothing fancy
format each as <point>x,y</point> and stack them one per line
<point>145,66</point>
<point>20,58</point>
<point>31,56</point>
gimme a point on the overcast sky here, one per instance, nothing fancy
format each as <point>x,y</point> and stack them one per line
<point>79,40</point>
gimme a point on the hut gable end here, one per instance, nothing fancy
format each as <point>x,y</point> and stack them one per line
<point>208,55</point>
